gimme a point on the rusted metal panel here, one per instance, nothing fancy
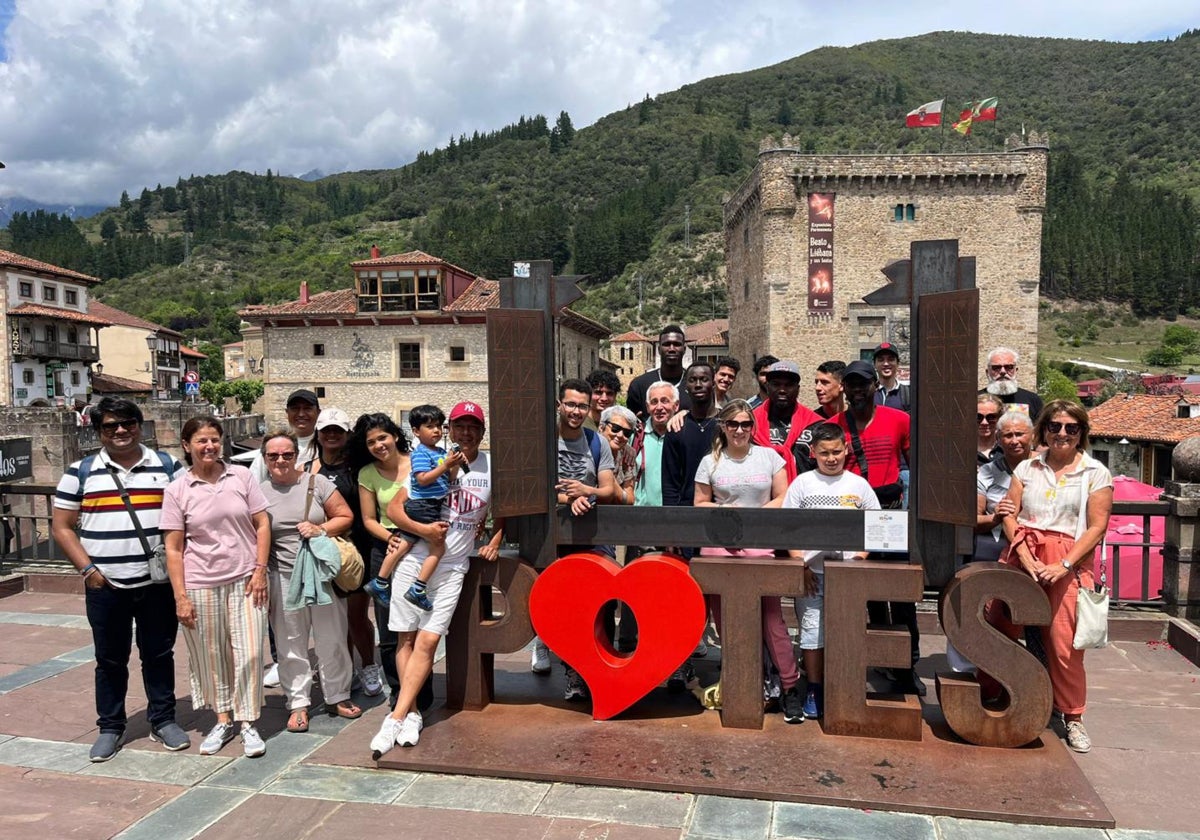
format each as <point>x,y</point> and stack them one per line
<point>518,412</point>
<point>947,354</point>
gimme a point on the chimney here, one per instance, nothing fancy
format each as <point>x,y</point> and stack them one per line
<point>304,291</point>
<point>374,252</point>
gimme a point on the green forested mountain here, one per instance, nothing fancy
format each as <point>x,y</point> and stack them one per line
<point>610,199</point>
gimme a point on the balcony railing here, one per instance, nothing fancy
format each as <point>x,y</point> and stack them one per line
<point>57,350</point>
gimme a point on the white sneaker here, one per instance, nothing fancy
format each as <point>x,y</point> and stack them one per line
<point>217,737</point>
<point>386,737</point>
<point>410,730</point>
<point>252,742</point>
<point>540,663</point>
<point>271,676</point>
<point>372,680</point>
<point>1077,737</point>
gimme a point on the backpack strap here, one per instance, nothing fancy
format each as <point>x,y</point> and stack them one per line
<point>593,440</point>
<point>85,469</point>
<point>168,463</point>
<point>905,398</point>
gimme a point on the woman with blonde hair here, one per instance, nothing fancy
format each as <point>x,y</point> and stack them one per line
<point>739,473</point>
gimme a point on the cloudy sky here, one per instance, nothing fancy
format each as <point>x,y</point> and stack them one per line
<point>97,96</point>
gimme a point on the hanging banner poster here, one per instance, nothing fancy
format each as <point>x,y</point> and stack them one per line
<point>820,256</point>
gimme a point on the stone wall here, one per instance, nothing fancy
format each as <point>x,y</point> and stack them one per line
<point>992,203</point>
<point>55,439</point>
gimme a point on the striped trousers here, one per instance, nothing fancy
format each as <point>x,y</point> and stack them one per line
<point>225,650</point>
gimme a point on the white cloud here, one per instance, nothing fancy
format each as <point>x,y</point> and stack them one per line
<point>97,96</point>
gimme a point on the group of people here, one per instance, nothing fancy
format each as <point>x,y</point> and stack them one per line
<point>682,439</point>
<point>242,555</point>
<point>239,555</point>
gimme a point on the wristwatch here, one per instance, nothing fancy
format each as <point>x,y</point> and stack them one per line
<point>1066,564</point>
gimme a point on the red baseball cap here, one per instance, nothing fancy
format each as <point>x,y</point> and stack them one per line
<point>467,409</point>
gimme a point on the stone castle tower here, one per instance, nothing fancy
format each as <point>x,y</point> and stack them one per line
<point>872,206</point>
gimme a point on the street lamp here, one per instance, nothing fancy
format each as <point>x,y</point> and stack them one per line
<point>152,346</point>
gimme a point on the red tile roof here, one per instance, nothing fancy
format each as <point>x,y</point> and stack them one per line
<point>480,296</point>
<point>632,335</point>
<point>233,344</point>
<point>184,350</point>
<point>37,310</point>
<point>409,258</point>
<point>108,384</point>
<point>118,318</point>
<point>11,259</point>
<point>708,332</point>
<point>1144,417</point>
<point>339,302</point>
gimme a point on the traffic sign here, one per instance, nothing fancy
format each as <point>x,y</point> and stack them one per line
<point>191,388</point>
<point>191,376</point>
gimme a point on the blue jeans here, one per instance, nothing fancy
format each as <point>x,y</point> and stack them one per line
<point>114,614</point>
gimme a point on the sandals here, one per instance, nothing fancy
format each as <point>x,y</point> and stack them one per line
<point>346,709</point>
<point>298,720</point>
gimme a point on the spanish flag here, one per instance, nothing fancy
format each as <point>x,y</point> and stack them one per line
<point>928,115</point>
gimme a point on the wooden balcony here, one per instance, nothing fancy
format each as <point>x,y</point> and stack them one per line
<point>85,353</point>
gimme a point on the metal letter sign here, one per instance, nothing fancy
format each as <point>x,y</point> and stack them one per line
<point>517,407</point>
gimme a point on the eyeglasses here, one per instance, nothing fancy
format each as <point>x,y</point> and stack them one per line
<point>281,456</point>
<point>1009,368</point>
<point>1054,427</point>
<point>620,430</point>
<point>735,425</point>
<point>115,425</point>
<point>986,418</point>
<point>574,406</point>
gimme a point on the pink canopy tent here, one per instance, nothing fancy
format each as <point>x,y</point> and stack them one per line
<point>1125,538</point>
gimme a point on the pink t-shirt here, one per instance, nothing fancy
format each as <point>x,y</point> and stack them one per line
<point>220,541</point>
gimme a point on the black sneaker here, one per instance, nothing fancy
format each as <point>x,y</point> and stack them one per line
<point>680,678</point>
<point>909,683</point>
<point>793,705</point>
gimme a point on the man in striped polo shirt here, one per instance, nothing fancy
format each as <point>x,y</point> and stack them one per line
<point>93,527</point>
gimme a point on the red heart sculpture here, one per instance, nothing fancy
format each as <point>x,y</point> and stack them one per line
<point>565,607</point>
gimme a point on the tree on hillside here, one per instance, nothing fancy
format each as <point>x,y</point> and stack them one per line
<point>743,118</point>
<point>784,116</point>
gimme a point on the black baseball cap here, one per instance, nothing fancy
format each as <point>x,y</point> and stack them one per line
<point>860,368</point>
<point>886,347</point>
<point>305,395</point>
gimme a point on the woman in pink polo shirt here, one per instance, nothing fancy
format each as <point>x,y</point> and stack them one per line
<point>217,533</point>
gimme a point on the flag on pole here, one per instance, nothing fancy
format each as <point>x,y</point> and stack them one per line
<point>986,110</point>
<point>973,112</point>
<point>928,115</point>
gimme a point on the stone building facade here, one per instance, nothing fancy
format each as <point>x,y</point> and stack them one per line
<point>363,360</point>
<point>992,203</point>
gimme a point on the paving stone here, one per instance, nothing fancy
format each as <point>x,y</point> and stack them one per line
<point>79,655</point>
<point>340,784</point>
<point>951,828</point>
<point>74,622</point>
<point>4,738</point>
<point>167,767</point>
<point>186,815</point>
<point>46,755</point>
<point>25,644</point>
<point>471,793</point>
<point>1135,834</point>
<point>38,672</point>
<point>639,807</point>
<point>274,816</point>
<point>283,751</point>
<point>730,819</point>
<point>821,822</point>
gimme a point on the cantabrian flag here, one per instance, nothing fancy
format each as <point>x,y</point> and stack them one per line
<point>986,110</point>
<point>928,115</point>
<point>973,112</point>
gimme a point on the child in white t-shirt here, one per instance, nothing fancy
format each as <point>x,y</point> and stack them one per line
<point>829,486</point>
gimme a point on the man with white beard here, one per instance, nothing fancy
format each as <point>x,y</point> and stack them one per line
<point>1002,383</point>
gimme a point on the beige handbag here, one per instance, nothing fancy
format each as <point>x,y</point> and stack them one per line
<point>1091,605</point>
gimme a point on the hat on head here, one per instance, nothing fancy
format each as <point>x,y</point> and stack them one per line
<point>784,369</point>
<point>860,368</point>
<point>467,409</point>
<point>305,395</point>
<point>333,417</point>
<point>886,347</point>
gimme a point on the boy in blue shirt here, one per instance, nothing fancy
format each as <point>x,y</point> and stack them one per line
<point>428,486</point>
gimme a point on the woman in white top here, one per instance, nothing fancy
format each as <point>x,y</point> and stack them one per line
<point>1062,498</point>
<point>737,473</point>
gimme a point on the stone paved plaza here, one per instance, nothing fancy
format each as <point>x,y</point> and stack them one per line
<point>1144,718</point>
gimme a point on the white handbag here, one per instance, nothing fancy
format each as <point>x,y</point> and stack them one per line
<point>1091,605</point>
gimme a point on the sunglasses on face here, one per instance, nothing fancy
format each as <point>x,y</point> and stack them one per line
<point>281,456</point>
<point>735,425</point>
<point>986,418</point>
<point>1054,427</point>
<point>999,368</point>
<point>114,425</point>
<point>620,430</point>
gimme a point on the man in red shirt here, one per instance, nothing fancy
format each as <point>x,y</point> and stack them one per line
<point>877,438</point>
<point>781,421</point>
